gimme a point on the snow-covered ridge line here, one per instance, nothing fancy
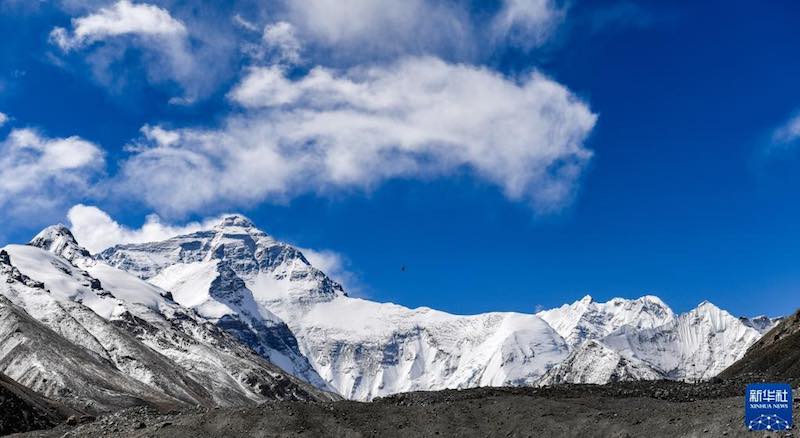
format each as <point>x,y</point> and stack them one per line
<point>235,272</point>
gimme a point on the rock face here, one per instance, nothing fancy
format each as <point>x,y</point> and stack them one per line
<point>776,355</point>
<point>762,323</point>
<point>98,339</point>
<point>595,362</point>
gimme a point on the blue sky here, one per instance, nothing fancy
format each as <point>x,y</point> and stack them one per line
<point>509,154</point>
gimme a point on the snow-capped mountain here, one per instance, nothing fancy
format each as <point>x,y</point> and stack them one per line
<point>98,338</point>
<point>360,348</point>
<point>587,319</point>
<point>643,338</point>
<point>696,345</point>
<point>214,271</point>
<point>204,318</point>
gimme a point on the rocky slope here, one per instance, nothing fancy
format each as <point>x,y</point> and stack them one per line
<point>22,410</point>
<point>776,355</point>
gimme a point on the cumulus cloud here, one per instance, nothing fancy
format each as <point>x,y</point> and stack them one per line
<point>123,18</point>
<point>527,23</point>
<point>95,230</point>
<point>329,130</point>
<point>163,41</point>
<point>40,173</point>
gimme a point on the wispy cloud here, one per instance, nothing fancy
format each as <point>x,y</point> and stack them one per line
<point>527,23</point>
<point>360,29</point>
<point>280,39</point>
<point>788,133</point>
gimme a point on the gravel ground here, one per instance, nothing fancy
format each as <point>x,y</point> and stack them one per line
<point>652,409</point>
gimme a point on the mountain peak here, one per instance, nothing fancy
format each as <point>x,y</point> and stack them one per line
<point>234,221</point>
<point>59,240</point>
<point>653,300</point>
<point>707,305</point>
<point>707,309</point>
<point>53,232</point>
<point>587,299</point>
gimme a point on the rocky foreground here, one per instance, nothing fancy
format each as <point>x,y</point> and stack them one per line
<point>632,409</point>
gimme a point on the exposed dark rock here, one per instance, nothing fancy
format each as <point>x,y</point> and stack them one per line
<point>775,356</point>
<point>23,410</point>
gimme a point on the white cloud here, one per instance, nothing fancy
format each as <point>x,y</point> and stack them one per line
<point>40,173</point>
<point>388,28</point>
<point>330,131</point>
<point>95,230</point>
<point>527,23</point>
<point>163,40</point>
<point>384,28</point>
<point>123,18</point>
<point>278,45</point>
<point>3,119</point>
<point>244,23</point>
<point>280,39</point>
<point>789,132</point>
<point>185,43</point>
